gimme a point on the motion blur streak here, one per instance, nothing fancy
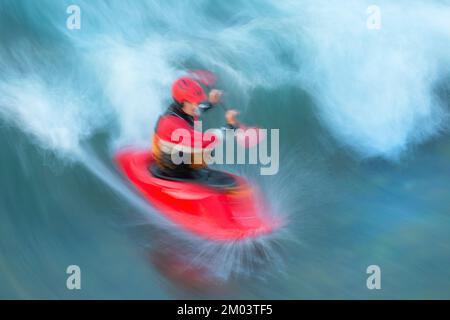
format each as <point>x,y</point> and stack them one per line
<point>363,119</point>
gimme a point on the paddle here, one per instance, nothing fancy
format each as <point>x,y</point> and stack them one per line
<point>244,137</point>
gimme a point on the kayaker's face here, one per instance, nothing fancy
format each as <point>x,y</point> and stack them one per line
<point>190,108</point>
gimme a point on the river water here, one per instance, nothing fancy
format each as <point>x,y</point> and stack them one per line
<point>364,175</point>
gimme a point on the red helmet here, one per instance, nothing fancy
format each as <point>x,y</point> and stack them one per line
<point>186,89</point>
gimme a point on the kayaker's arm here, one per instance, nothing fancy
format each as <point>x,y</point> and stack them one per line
<point>214,98</point>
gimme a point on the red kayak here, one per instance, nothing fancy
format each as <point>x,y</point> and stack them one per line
<point>215,205</point>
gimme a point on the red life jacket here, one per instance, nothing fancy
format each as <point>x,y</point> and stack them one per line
<point>175,133</point>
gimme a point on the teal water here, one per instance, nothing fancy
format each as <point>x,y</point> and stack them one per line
<point>364,147</point>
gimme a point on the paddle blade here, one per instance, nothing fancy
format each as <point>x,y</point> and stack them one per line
<point>204,76</point>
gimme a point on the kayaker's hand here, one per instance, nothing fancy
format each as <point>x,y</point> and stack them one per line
<point>215,96</point>
<point>230,116</point>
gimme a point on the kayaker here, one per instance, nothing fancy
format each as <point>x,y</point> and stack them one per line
<point>190,100</point>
